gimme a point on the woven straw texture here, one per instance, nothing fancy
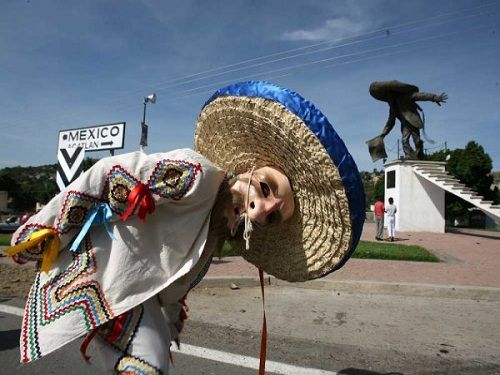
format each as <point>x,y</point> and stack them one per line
<point>237,133</point>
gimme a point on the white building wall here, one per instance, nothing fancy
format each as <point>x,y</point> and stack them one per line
<point>420,203</point>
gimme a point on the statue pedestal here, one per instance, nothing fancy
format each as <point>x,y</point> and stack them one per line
<point>420,203</point>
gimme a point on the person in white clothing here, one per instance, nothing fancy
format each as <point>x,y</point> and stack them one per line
<point>391,210</point>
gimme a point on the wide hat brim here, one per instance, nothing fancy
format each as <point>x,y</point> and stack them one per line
<point>256,124</point>
<point>388,90</point>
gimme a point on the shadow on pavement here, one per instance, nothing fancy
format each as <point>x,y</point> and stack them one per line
<point>219,261</point>
<point>396,239</point>
<point>473,234</point>
<point>358,371</point>
<point>9,339</point>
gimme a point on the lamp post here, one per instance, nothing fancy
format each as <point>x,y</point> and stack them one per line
<point>144,128</point>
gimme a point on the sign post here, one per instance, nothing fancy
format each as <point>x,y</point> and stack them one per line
<point>73,143</point>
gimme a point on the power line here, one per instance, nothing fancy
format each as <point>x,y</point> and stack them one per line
<point>364,40</point>
<point>190,91</point>
<point>287,70</point>
<point>216,85</point>
<point>159,88</point>
<point>384,29</point>
<point>403,44</point>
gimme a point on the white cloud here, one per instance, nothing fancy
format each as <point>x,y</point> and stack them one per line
<point>335,28</point>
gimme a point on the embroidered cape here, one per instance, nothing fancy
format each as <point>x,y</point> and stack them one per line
<point>126,229</point>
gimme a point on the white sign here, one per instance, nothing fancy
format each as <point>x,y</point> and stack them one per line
<point>93,138</point>
<point>69,166</point>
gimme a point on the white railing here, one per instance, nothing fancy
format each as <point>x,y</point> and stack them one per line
<point>439,177</point>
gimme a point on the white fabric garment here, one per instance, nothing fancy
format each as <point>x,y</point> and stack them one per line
<point>391,219</point>
<point>106,277</point>
<point>148,352</point>
<point>391,210</point>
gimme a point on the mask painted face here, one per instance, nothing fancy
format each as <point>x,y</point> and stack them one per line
<point>270,196</point>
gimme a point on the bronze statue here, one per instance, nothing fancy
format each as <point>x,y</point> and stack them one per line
<point>402,98</point>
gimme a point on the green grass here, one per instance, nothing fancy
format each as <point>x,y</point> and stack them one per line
<point>365,250</point>
<point>393,251</point>
<point>227,251</point>
<point>5,239</point>
<point>373,250</point>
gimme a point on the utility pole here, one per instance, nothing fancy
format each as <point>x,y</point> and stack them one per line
<point>144,128</point>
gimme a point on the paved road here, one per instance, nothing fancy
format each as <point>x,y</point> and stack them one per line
<point>346,333</point>
<point>371,317</point>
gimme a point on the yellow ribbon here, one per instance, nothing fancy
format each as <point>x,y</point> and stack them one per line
<point>35,238</point>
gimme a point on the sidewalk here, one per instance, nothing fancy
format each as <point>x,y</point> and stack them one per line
<point>471,258</point>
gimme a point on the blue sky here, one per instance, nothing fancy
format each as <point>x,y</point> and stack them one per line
<point>71,64</point>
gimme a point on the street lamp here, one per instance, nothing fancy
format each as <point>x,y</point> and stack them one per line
<point>144,128</point>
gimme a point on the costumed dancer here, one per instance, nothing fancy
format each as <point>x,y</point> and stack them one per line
<point>121,246</point>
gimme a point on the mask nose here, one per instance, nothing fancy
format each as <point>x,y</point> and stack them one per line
<point>259,208</point>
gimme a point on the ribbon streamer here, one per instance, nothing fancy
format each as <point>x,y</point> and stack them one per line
<point>52,246</point>
<point>140,195</point>
<point>85,344</point>
<point>117,330</point>
<point>263,340</point>
<point>118,326</point>
<point>100,214</point>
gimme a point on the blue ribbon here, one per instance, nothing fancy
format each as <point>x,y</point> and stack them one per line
<point>100,214</point>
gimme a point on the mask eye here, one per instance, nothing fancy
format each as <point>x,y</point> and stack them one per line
<point>265,189</point>
<point>272,217</point>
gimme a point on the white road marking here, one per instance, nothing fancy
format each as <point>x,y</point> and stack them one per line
<point>13,310</point>
<point>218,356</point>
<point>248,362</point>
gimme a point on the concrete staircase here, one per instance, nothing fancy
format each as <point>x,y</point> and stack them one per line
<point>436,173</point>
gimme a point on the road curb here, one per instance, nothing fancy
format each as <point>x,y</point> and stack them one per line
<point>363,287</point>
<point>352,286</point>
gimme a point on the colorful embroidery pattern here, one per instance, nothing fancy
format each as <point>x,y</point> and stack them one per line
<point>75,210</point>
<point>126,331</point>
<point>34,253</point>
<point>73,292</point>
<point>135,366</point>
<point>65,293</point>
<point>30,349</point>
<point>173,178</point>
<point>118,186</point>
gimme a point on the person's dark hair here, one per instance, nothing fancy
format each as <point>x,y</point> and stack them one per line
<point>391,201</point>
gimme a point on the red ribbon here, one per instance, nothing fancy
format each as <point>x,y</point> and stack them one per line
<point>118,325</point>
<point>140,196</point>
<point>85,344</point>
<point>263,341</point>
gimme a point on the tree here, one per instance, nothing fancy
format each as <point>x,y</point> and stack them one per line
<point>472,167</point>
<point>9,184</point>
<point>379,188</point>
<point>373,183</point>
<point>29,185</point>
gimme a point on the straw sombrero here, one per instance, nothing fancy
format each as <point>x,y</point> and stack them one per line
<point>256,124</point>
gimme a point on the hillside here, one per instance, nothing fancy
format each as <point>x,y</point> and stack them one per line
<point>28,185</point>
